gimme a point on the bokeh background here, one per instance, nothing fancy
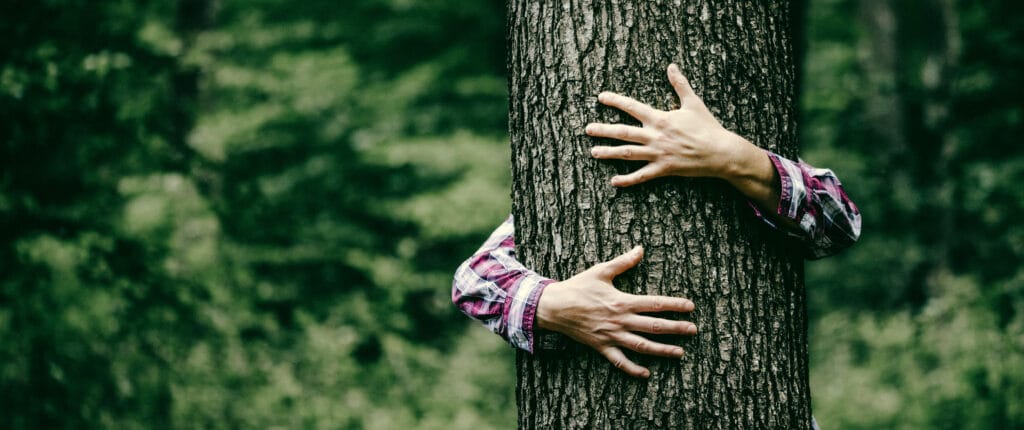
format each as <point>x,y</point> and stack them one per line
<point>246,214</point>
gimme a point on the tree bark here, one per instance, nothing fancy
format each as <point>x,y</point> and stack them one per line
<point>747,368</point>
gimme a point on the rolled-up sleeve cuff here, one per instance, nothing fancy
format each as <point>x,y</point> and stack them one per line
<point>790,186</point>
<point>521,310</point>
<point>789,191</point>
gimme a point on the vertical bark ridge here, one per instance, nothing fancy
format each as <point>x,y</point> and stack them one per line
<point>747,367</point>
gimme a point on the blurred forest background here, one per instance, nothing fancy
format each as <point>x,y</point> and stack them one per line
<point>246,214</point>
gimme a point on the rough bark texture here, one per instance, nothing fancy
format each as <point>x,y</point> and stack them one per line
<point>747,369</point>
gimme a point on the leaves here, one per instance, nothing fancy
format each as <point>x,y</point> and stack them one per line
<point>247,215</point>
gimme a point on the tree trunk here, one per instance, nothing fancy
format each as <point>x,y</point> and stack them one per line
<point>747,368</point>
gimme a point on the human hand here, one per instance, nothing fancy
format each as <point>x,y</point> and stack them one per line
<point>688,141</point>
<point>590,310</point>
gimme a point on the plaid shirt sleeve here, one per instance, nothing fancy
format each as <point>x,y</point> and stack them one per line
<point>495,289</point>
<point>815,200</point>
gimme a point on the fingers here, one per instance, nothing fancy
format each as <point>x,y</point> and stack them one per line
<point>646,346</point>
<point>624,132</point>
<point>634,108</point>
<point>624,152</point>
<point>646,324</point>
<point>617,358</point>
<point>643,174</point>
<point>680,83</point>
<point>660,304</point>
<point>622,263</point>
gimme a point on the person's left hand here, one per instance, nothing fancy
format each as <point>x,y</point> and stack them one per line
<point>688,141</point>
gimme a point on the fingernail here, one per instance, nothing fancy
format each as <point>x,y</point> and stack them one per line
<point>588,129</point>
<point>594,152</point>
<point>602,97</point>
<point>645,374</point>
<point>638,249</point>
<point>679,352</point>
<point>692,330</point>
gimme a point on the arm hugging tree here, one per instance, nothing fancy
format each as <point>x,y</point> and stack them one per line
<point>747,367</point>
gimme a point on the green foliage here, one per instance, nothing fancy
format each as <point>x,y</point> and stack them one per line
<point>920,324</point>
<point>328,165</point>
<point>92,324</point>
<point>240,217</point>
<point>953,365</point>
<point>238,214</point>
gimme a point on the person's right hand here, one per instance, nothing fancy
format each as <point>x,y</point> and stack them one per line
<point>590,310</point>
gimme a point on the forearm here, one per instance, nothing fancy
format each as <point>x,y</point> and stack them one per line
<point>492,287</point>
<point>799,199</point>
<point>803,201</point>
<point>752,172</point>
<point>796,198</point>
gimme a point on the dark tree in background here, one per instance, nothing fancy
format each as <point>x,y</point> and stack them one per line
<point>747,368</point>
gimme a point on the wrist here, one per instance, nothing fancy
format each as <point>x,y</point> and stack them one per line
<point>545,314</point>
<point>746,164</point>
<point>753,174</point>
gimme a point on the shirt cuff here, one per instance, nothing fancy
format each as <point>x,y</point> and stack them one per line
<point>521,310</point>
<point>789,174</point>
<point>788,206</point>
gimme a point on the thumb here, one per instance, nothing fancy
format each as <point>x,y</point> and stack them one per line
<point>680,84</point>
<point>624,262</point>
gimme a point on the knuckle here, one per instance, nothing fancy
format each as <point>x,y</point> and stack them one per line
<point>615,322</point>
<point>657,327</point>
<point>601,331</point>
<point>618,307</point>
<point>640,346</point>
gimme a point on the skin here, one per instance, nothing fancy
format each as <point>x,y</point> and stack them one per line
<point>690,142</point>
